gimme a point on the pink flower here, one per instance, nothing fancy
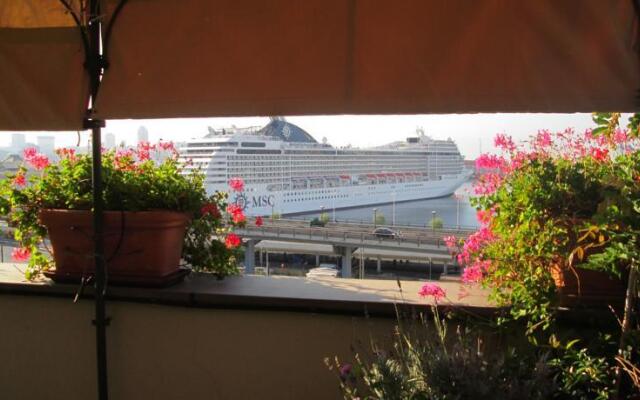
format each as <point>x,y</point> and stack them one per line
<point>146,146</point>
<point>143,155</point>
<point>487,184</point>
<point>29,153</point>
<point>471,274</point>
<point>259,221</point>
<point>39,161</point>
<point>475,272</point>
<point>20,180</point>
<point>474,243</point>
<point>620,136</point>
<point>504,142</point>
<point>232,241</point>
<point>66,153</point>
<point>451,242</point>
<point>144,150</point>
<point>167,146</point>
<point>236,184</point>
<point>588,134</point>
<point>490,161</point>
<point>542,139</point>
<point>21,254</point>
<point>433,290</point>
<point>484,217</point>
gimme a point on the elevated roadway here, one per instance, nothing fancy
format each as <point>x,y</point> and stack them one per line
<point>346,238</point>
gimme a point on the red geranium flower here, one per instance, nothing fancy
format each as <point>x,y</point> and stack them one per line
<point>599,154</point>
<point>234,209</point>
<point>239,218</point>
<point>20,180</point>
<point>232,241</point>
<point>236,184</point>
<point>39,161</point>
<point>66,153</point>
<point>29,153</point>
<point>210,209</point>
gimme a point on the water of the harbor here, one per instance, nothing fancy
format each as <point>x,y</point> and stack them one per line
<point>455,211</point>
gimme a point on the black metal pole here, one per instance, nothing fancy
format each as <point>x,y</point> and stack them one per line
<point>101,320</point>
<point>95,66</point>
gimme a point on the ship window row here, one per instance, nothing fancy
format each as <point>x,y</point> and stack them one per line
<point>262,155</point>
<point>249,151</point>
<point>305,193</point>
<point>333,164</point>
<point>210,144</point>
<point>314,198</point>
<point>253,144</point>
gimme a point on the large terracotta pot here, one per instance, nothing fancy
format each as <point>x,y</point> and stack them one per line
<point>137,245</point>
<point>584,287</point>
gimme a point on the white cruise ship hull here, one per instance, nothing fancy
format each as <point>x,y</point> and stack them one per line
<point>286,171</point>
<point>257,200</point>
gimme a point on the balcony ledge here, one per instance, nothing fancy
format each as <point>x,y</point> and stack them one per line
<point>318,295</point>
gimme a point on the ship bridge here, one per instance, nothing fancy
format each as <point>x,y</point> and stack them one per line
<point>286,131</point>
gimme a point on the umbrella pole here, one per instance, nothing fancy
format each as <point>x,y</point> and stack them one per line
<point>101,320</point>
<point>95,66</point>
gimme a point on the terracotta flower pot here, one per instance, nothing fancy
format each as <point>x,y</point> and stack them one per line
<point>137,245</point>
<point>589,288</point>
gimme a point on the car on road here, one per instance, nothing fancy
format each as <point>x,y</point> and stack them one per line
<point>317,222</point>
<point>323,271</point>
<point>383,232</point>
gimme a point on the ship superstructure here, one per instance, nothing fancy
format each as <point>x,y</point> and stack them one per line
<point>287,171</point>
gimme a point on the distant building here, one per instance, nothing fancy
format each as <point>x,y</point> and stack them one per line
<point>46,145</point>
<point>143,134</point>
<point>109,141</point>
<point>18,142</point>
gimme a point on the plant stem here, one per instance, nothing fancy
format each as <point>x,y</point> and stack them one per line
<point>629,302</point>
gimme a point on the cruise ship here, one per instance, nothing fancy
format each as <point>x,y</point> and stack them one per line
<point>286,171</point>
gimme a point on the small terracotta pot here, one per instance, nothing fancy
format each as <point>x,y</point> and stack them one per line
<point>585,287</point>
<point>136,244</point>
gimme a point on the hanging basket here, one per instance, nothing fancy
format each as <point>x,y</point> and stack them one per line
<point>580,287</point>
<point>141,248</point>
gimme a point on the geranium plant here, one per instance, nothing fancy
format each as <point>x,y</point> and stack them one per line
<point>146,178</point>
<point>564,200</point>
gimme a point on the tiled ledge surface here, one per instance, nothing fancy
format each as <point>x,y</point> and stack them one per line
<point>331,295</point>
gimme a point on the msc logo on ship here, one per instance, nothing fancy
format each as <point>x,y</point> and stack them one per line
<point>243,202</point>
<point>264,200</point>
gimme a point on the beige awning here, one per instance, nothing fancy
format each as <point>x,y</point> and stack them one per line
<point>197,58</point>
<point>43,85</point>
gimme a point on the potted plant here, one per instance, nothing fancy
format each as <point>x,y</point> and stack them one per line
<point>155,215</point>
<point>558,215</point>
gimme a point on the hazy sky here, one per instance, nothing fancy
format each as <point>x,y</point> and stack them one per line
<point>470,131</point>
